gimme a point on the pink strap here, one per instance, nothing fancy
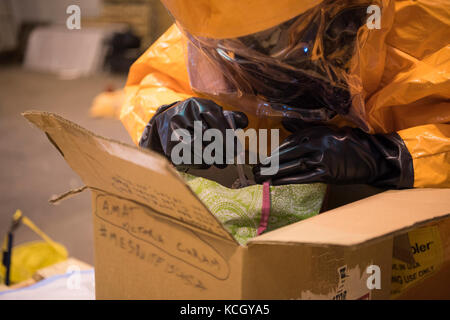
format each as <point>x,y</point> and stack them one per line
<point>265,210</point>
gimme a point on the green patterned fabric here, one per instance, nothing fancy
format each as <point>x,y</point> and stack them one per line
<point>239,210</point>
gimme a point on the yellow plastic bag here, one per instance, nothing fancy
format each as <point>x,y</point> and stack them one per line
<point>29,257</point>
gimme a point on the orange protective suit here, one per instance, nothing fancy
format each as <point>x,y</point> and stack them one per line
<point>399,76</point>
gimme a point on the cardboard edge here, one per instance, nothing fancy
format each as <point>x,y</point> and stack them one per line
<point>355,245</point>
<point>30,114</point>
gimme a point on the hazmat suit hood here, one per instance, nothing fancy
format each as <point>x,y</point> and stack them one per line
<point>300,65</point>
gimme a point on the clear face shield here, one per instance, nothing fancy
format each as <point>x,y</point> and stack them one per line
<point>301,68</point>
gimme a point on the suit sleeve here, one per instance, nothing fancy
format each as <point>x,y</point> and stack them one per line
<point>157,78</point>
<point>429,146</point>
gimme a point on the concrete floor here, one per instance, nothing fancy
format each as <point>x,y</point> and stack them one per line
<point>31,170</point>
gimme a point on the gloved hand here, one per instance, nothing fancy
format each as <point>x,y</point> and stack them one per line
<point>181,115</point>
<point>341,156</point>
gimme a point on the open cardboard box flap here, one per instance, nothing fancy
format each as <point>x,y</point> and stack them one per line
<point>148,179</point>
<point>129,173</point>
<point>388,213</point>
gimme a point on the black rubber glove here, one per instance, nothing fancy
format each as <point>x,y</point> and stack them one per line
<point>341,156</point>
<point>181,115</point>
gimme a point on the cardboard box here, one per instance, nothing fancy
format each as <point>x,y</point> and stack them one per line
<point>154,239</point>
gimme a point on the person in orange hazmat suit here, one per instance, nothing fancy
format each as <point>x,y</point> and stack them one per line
<point>359,89</point>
